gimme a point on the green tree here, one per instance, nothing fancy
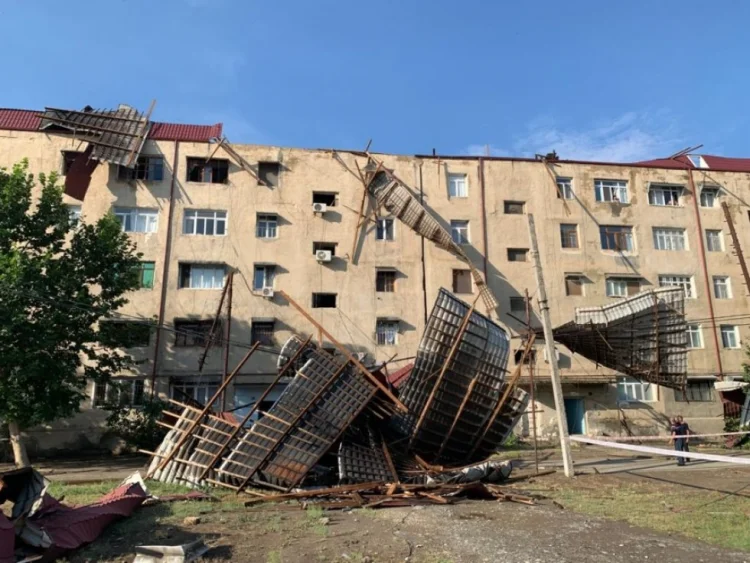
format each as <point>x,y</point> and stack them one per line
<point>57,280</point>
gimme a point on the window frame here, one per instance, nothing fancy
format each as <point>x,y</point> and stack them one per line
<point>74,213</point>
<point>714,191</point>
<point>453,178</point>
<point>663,189</point>
<point>513,251</point>
<point>694,331</point>
<point>510,204</point>
<point>579,278</point>
<point>455,273</point>
<point>517,304</point>
<point>735,332</point>
<point>115,383</point>
<point>145,170</point>
<point>690,392</point>
<point>269,275</point>
<point>566,230</point>
<point>719,238</point>
<point>142,270</point>
<point>195,333</point>
<point>670,238</point>
<point>64,164</point>
<point>207,178</point>
<point>200,266</point>
<point>630,383</point>
<point>261,174</point>
<point>565,187</point>
<point>260,328</point>
<point>624,286</point>
<point>459,226</point>
<point>193,216</point>
<point>678,280</point>
<point>148,215</point>
<point>615,237</point>
<point>388,280</point>
<point>723,282</point>
<point>604,188</point>
<point>381,228</point>
<point>318,294</point>
<point>264,223</point>
<point>383,337</point>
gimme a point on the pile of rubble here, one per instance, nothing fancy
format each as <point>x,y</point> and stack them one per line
<point>339,424</point>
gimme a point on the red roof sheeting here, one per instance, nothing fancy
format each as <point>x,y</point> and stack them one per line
<point>398,377</point>
<point>28,120</point>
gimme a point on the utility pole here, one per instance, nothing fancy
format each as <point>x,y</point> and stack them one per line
<point>562,423</point>
<point>532,390</point>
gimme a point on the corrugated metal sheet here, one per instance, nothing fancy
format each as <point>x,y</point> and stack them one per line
<point>399,377</point>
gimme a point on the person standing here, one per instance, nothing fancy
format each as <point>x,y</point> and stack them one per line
<point>673,433</point>
<point>684,430</point>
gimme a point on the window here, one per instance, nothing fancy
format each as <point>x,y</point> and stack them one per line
<point>569,235</point>
<point>630,389</point>
<point>385,281</point>
<point>457,185</point>
<point>147,168</point>
<point>530,357</point>
<point>74,214</point>
<point>204,222</point>
<point>714,241</point>
<point>266,225</point>
<point>517,304</point>
<point>386,331</point>
<point>565,187</point>
<point>263,276</point>
<point>669,239</point>
<point>730,337</point>
<point>722,287</point>
<point>262,331</point>
<point>122,392</point>
<point>685,282</point>
<point>323,300</point>
<point>611,190</point>
<point>460,232</point>
<point>462,282</point>
<point>124,334</point>
<point>268,173</point>
<point>330,246</point>
<point>700,391</point>
<point>146,274</point>
<point>67,160</point>
<point>616,238</point>
<point>194,391</point>
<point>694,336</point>
<point>214,171</point>
<point>201,276</point>
<point>518,254</point>
<point>709,196</point>
<point>573,285</point>
<point>622,287</point>
<point>384,229</point>
<point>137,219</point>
<point>196,333</point>
<point>327,198</point>
<point>664,195</point>
<point>514,207</point>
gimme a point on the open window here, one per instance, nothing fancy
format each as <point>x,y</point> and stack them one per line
<point>385,280</point>
<point>326,198</point>
<point>462,282</point>
<point>324,300</point>
<point>214,171</point>
<point>268,173</point>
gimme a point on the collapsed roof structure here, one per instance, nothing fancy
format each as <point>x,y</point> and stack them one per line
<point>333,422</point>
<point>643,336</point>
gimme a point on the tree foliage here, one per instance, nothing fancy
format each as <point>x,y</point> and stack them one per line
<point>57,280</point>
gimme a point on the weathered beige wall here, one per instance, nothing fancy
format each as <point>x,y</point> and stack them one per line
<point>353,321</point>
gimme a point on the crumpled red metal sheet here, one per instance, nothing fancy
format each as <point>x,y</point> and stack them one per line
<point>398,377</point>
<point>7,540</point>
<point>65,528</point>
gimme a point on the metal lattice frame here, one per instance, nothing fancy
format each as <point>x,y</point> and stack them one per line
<point>390,193</point>
<point>469,390</point>
<point>322,400</point>
<point>362,456</point>
<point>643,336</point>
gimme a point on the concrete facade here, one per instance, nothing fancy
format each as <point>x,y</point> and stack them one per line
<point>421,268</point>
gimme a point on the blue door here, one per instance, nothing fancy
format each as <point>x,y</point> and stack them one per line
<point>575,415</point>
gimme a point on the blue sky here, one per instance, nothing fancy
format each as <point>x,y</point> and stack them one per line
<point>592,79</point>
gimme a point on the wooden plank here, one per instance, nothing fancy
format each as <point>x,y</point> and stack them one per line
<point>317,492</point>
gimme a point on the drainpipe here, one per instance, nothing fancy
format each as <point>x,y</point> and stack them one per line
<point>424,270</point>
<point>705,273</point>
<point>165,270</point>
<point>484,219</point>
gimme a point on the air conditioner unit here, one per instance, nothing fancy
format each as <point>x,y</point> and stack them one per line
<point>557,355</point>
<point>319,208</point>
<point>267,292</point>
<point>323,255</point>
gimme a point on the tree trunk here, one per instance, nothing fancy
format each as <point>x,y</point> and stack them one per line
<point>16,442</point>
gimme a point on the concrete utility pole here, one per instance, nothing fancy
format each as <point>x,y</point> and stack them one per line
<point>562,422</point>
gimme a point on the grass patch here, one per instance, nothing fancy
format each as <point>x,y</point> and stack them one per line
<point>708,516</point>
<point>274,523</point>
<point>273,557</point>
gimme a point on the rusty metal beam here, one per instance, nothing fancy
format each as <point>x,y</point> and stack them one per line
<point>736,243</point>
<point>210,340</point>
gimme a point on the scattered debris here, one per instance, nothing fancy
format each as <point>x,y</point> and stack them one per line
<point>51,528</point>
<point>170,553</point>
<point>191,520</point>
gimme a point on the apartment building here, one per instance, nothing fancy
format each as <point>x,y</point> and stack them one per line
<point>286,219</point>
